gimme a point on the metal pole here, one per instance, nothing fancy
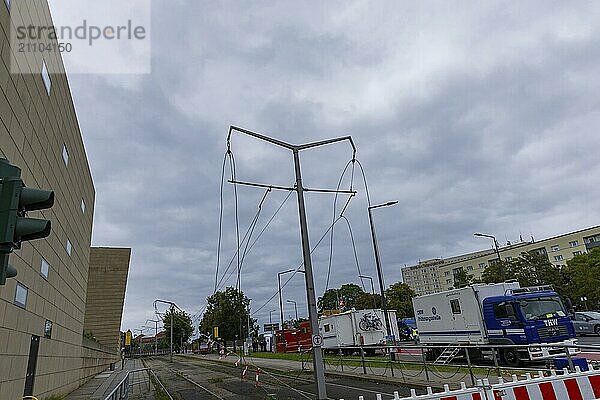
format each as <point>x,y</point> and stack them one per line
<point>172,317</point>
<point>379,274</point>
<point>372,288</point>
<point>295,307</point>
<point>308,276</point>
<point>501,270</point>
<point>313,316</point>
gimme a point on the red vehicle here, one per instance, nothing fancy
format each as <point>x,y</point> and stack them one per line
<point>294,340</point>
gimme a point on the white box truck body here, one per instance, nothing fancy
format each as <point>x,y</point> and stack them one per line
<point>356,328</point>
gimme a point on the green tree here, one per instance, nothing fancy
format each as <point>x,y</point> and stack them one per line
<point>343,298</point>
<point>182,327</point>
<point>583,279</point>
<point>529,269</point>
<point>229,311</point>
<point>399,297</point>
<point>368,301</point>
<point>462,279</point>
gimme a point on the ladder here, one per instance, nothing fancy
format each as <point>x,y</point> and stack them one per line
<point>447,355</point>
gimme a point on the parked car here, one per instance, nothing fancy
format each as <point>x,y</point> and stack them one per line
<point>587,322</point>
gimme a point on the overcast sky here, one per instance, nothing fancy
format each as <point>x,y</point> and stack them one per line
<point>475,116</point>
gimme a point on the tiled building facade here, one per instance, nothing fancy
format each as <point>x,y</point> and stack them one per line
<point>437,275</point>
<point>107,281</point>
<point>43,307</point>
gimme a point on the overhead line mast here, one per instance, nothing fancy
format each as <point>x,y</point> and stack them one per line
<point>313,316</point>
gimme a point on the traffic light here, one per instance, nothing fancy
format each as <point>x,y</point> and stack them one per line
<point>15,201</point>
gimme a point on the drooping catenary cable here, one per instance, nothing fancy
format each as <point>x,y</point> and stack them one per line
<point>246,239</point>
<point>222,281</point>
<point>331,235</point>
<point>220,235</point>
<point>297,268</point>
<point>237,219</point>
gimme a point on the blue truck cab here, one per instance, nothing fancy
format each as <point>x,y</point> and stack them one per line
<point>529,316</point>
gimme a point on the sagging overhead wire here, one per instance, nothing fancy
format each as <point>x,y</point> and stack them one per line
<point>297,268</point>
<point>364,178</point>
<point>225,278</point>
<point>246,239</point>
<point>331,236</point>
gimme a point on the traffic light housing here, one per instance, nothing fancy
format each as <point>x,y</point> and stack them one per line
<point>15,201</point>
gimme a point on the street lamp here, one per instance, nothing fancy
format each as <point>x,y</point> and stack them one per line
<point>280,299</point>
<point>272,335</point>
<point>497,251</point>
<point>156,321</point>
<point>295,307</point>
<point>173,305</point>
<point>372,288</point>
<point>378,263</point>
<point>584,300</point>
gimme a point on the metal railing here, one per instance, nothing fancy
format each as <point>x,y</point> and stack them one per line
<point>136,380</point>
<point>416,363</point>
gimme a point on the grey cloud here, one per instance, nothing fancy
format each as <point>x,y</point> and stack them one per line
<point>474,119</point>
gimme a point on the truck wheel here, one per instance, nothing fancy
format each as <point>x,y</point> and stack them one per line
<point>511,358</point>
<point>597,329</point>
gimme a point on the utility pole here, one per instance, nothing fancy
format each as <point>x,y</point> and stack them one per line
<point>378,265</point>
<point>156,321</point>
<point>372,288</point>
<point>308,275</point>
<point>280,299</point>
<point>172,308</point>
<point>295,307</point>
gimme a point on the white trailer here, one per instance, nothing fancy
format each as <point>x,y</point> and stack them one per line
<point>356,328</point>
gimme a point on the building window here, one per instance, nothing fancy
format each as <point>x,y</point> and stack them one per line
<point>65,155</point>
<point>48,329</point>
<point>509,258</point>
<point>455,306</point>
<point>481,265</point>
<point>448,281</point>
<point>44,268</point>
<point>558,258</point>
<point>574,243</point>
<point>83,206</point>
<point>577,253</point>
<point>69,247</point>
<point>469,268</point>
<point>21,295</point>
<point>327,327</point>
<point>555,247</point>
<point>446,273</point>
<point>46,77</point>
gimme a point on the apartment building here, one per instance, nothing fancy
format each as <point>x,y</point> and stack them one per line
<point>437,275</point>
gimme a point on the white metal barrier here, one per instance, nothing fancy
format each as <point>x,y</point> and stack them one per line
<point>573,386</point>
<point>579,385</point>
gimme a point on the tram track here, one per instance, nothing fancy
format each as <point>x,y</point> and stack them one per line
<point>224,381</point>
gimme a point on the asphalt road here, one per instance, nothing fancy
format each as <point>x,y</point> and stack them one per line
<point>589,340</point>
